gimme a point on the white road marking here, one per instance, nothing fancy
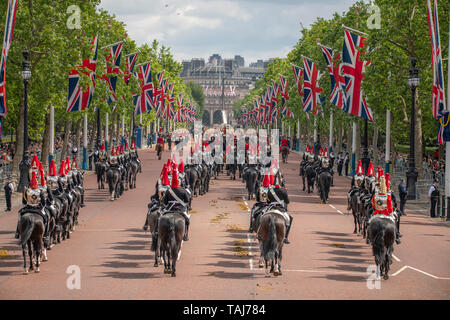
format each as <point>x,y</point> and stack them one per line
<point>332,206</point>
<point>418,270</point>
<point>250,251</point>
<point>397,259</point>
<point>339,211</point>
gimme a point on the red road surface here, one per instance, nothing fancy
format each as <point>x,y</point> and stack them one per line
<point>325,260</point>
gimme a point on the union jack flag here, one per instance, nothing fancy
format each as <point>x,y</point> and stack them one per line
<point>180,100</point>
<point>129,64</point>
<point>112,66</point>
<point>353,69</point>
<point>285,111</point>
<point>144,101</point>
<point>436,61</point>
<point>298,76</point>
<point>168,112</point>
<point>9,32</point>
<point>79,99</point>
<point>337,80</point>
<point>311,87</point>
<point>273,112</point>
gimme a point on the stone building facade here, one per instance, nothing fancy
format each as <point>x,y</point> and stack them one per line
<point>224,81</point>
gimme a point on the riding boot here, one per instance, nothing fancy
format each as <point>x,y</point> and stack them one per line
<point>286,240</point>
<point>82,201</point>
<point>145,227</point>
<point>186,231</point>
<point>17,230</point>
<point>251,223</point>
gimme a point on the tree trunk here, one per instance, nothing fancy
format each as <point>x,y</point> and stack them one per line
<point>19,144</point>
<point>340,133</point>
<point>349,139</point>
<point>67,130</point>
<point>418,137</point>
<point>93,137</point>
<point>46,142</point>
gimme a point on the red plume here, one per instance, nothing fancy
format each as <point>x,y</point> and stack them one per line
<point>33,182</point>
<point>370,170</point>
<point>359,169</point>
<point>67,164</point>
<point>165,177</point>
<point>103,147</point>
<point>181,166</point>
<point>266,181</point>
<point>52,169</point>
<point>62,169</point>
<point>175,183</point>
<point>74,161</point>
<point>35,161</point>
<point>272,178</point>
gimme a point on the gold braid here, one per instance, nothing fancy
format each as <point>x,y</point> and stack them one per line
<point>444,125</point>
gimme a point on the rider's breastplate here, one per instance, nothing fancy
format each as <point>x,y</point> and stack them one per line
<point>263,193</point>
<point>52,182</point>
<point>113,160</point>
<point>381,201</point>
<point>359,180</point>
<point>33,197</point>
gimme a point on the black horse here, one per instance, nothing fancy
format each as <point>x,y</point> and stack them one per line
<point>31,234</point>
<point>381,232</point>
<point>251,177</point>
<point>324,185</point>
<point>271,231</point>
<point>133,169</point>
<point>170,236</point>
<point>113,177</point>
<point>310,172</point>
<point>100,170</point>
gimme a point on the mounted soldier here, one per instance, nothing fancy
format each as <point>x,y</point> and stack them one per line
<point>382,203</point>
<point>176,199</point>
<point>269,197</point>
<point>134,155</point>
<point>356,184</point>
<point>34,201</point>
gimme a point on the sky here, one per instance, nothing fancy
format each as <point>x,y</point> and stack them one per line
<point>253,29</point>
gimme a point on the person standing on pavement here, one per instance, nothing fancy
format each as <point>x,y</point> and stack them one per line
<point>402,193</point>
<point>433,194</point>
<point>9,189</point>
<point>346,160</point>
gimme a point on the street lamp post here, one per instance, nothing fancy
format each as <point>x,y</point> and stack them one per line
<point>365,160</point>
<point>24,165</point>
<point>411,174</point>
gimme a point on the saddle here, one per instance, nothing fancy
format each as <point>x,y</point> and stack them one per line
<point>273,208</point>
<point>392,217</point>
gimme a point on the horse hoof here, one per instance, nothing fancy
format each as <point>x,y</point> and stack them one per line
<point>261,265</point>
<point>36,271</point>
<point>25,272</point>
<point>173,274</point>
<point>267,275</point>
<point>386,276</point>
<point>276,273</point>
<point>156,264</point>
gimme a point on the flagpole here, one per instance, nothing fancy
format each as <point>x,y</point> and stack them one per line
<point>110,45</point>
<point>387,156</point>
<point>354,30</point>
<point>330,142</point>
<point>315,135</point>
<point>85,143</point>
<point>447,144</point>
<point>298,135</point>
<point>141,64</point>
<point>106,130</point>
<point>132,53</point>
<point>52,134</point>
<point>353,149</point>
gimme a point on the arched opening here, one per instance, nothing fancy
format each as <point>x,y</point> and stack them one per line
<point>217,117</point>
<point>206,119</point>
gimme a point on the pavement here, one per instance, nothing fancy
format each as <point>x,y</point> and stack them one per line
<point>111,255</point>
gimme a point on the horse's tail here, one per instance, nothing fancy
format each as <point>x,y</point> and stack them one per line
<point>270,245</point>
<point>172,240</point>
<point>154,240</point>
<point>378,247</point>
<point>24,237</point>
